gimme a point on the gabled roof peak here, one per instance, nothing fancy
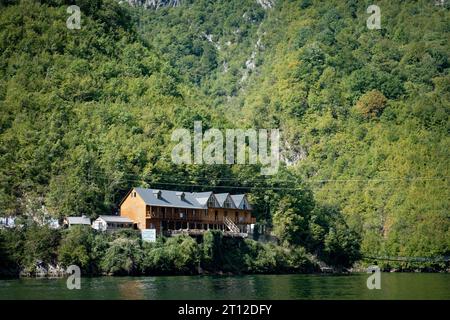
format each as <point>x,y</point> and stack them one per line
<point>182,199</point>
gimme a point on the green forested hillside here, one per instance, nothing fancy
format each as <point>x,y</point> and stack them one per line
<point>364,114</point>
<point>388,170</point>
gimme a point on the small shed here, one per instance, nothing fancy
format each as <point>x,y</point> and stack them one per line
<point>104,223</point>
<point>71,221</point>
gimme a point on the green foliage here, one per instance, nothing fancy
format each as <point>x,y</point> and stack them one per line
<point>123,253</point>
<point>40,245</point>
<point>75,248</point>
<point>387,177</point>
<point>211,249</point>
<point>86,114</point>
<point>322,230</point>
<point>268,258</point>
<point>290,224</point>
<point>371,104</point>
<point>249,256</point>
<point>341,247</point>
<point>332,240</point>
<point>123,257</point>
<point>179,254</point>
<point>11,251</point>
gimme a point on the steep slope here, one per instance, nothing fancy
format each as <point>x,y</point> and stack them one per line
<point>364,113</point>
<point>384,162</point>
<point>85,114</point>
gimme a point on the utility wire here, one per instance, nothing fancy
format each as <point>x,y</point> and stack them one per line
<point>269,185</point>
<point>298,179</point>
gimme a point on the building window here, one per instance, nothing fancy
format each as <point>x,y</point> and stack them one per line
<point>228,203</point>
<point>211,202</point>
<point>216,215</point>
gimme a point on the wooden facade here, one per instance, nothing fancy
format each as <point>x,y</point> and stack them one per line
<point>167,218</point>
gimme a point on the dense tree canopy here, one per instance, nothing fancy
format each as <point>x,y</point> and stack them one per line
<point>86,114</point>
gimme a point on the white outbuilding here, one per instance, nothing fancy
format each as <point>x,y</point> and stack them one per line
<point>72,221</point>
<point>104,223</point>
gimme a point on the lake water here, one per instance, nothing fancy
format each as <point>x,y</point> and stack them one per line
<point>393,286</point>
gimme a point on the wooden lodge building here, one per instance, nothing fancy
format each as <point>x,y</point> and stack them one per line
<point>177,212</point>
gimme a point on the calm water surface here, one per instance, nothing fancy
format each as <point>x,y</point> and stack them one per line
<point>393,286</point>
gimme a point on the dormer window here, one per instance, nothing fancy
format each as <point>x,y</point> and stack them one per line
<point>228,203</point>
<point>157,194</point>
<point>211,202</point>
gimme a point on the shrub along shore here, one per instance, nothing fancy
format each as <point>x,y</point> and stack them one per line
<point>44,251</point>
<point>86,114</point>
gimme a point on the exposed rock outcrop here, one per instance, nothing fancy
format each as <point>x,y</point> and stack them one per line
<point>153,4</point>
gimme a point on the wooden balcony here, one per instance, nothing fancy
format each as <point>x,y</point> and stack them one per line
<point>198,215</point>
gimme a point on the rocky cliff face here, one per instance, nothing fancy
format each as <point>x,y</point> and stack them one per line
<point>266,4</point>
<point>154,4</point>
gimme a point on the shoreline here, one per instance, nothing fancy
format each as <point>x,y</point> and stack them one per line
<point>218,274</point>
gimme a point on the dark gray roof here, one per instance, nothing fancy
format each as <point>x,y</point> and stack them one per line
<point>170,199</point>
<point>221,197</point>
<point>202,194</point>
<point>202,197</point>
<point>237,199</point>
<point>195,200</point>
<point>117,219</point>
